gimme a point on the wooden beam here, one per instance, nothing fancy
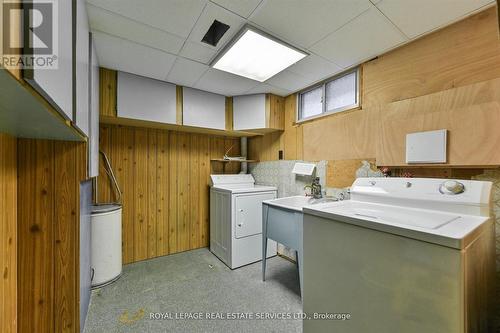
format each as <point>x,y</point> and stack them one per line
<point>179,105</point>
<point>229,113</point>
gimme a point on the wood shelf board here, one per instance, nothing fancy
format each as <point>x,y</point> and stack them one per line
<point>25,114</point>
<point>172,127</point>
<point>226,161</point>
<point>438,166</point>
<point>262,131</point>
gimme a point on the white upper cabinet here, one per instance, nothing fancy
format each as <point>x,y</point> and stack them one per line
<point>146,99</point>
<point>249,112</point>
<point>55,84</point>
<point>94,113</point>
<point>82,68</point>
<point>203,109</point>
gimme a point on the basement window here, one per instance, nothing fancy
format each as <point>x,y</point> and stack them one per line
<point>341,93</point>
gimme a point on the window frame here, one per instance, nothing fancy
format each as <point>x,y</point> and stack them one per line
<point>322,85</point>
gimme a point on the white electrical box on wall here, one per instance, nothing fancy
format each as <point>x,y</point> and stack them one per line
<point>305,169</point>
<point>426,147</point>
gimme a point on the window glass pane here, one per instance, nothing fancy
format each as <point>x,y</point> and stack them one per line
<point>310,103</point>
<point>341,92</point>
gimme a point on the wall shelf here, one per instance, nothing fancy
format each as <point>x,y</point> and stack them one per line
<point>25,113</point>
<point>226,161</point>
<point>172,127</point>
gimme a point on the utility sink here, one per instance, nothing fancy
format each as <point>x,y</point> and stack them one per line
<point>297,202</point>
<point>393,215</point>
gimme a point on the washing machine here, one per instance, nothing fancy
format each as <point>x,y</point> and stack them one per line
<point>236,219</point>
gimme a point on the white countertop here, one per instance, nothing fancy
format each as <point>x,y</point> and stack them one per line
<point>443,228</point>
<point>296,202</point>
<point>244,189</point>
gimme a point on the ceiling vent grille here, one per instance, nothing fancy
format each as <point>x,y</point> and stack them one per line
<point>215,33</point>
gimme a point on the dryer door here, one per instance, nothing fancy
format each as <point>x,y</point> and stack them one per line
<point>248,219</point>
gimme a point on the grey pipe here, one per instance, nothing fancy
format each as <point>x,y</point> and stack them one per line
<point>243,149</point>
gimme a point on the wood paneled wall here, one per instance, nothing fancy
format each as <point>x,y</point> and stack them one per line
<point>267,147</point>
<point>164,177</point>
<point>49,175</point>
<point>8,234</point>
<point>443,80</point>
<point>461,54</point>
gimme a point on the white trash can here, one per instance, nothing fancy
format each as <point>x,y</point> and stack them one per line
<point>106,244</point>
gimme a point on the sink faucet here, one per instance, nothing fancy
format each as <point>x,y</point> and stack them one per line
<point>315,187</point>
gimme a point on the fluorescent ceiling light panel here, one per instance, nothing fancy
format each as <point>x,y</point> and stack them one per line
<point>256,56</point>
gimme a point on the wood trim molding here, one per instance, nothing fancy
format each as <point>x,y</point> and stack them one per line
<point>229,114</point>
<point>179,105</point>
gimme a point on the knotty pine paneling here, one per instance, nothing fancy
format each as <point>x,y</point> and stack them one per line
<point>107,92</point>
<point>164,177</point>
<point>49,175</point>
<point>8,234</point>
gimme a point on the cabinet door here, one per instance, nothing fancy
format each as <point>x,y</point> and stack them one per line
<point>203,109</point>
<point>249,112</point>
<point>94,113</point>
<point>54,83</point>
<point>82,68</point>
<point>146,99</point>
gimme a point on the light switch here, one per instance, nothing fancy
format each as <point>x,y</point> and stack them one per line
<point>426,147</point>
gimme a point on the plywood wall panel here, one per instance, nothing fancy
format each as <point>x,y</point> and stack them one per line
<point>461,54</point>
<point>350,135</point>
<point>473,134</point>
<point>461,62</point>
<point>8,234</point>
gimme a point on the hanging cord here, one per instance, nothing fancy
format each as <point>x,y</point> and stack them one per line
<point>111,175</point>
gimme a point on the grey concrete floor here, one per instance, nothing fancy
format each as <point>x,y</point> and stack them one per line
<point>191,282</point>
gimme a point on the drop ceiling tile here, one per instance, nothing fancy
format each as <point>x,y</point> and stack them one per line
<point>175,16</point>
<point>241,7</point>
<point>123,55</point>
<point>224,83</point>
<point>213,12</point>
<point>265,88</point>
<point>197,52</point>
<point>117,25</point>
<point>305,22</point>
<point>186,72</point>
<point>367,36</point>
<point>431,14</point>
<point>289,81</point>
<point>315,68</point>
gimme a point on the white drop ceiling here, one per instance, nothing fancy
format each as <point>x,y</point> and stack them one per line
<point>161,39</point>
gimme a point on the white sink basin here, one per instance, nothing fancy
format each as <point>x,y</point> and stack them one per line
<point>296,202</point>
<point>394,215</point>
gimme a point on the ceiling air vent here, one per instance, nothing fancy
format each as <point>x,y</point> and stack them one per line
<point>215,33</point>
